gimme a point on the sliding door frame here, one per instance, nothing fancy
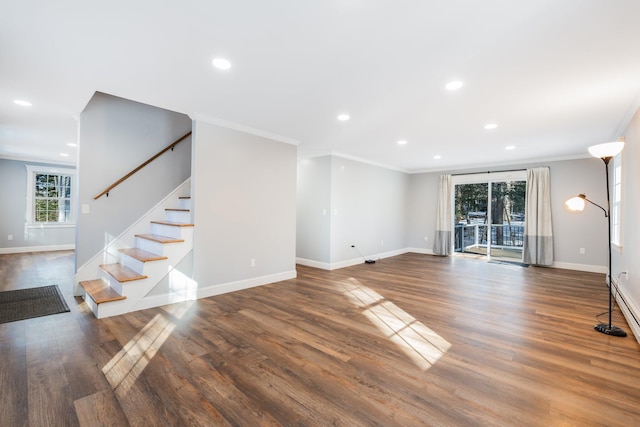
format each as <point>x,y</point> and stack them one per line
<point>482,178</point>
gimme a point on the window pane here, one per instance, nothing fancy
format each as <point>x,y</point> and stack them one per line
<point>41,185</point>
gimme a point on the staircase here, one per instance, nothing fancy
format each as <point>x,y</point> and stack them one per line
<point>123,285</point>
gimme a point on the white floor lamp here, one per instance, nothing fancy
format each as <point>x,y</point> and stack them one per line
<point>605,152</point>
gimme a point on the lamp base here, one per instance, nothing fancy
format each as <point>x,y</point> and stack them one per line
<point>605,328</point>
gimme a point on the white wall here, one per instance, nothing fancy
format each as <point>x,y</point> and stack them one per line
<point>368,209</point>
<point>627,259</point>
<point>117,135</point>
<point>342,202</point>
<point>244,201</point>
<point>313,231</point>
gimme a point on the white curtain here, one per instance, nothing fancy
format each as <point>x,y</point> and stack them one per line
<point>442,241</point>
<point>538,234</point>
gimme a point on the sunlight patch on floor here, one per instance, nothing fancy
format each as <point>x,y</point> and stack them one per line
<point>125,367</point>
<point>421,344</point>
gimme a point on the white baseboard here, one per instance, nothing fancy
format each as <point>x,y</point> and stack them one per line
<point>312,263</point>
<point>25,249</point>
<point>580,267</point>
<point>349,262</point>
<point>171,298</point>
<point>628,308</point>
<point>423,251</point>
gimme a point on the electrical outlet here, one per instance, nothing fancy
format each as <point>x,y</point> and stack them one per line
<point>10,237</point>
<point>381,242</point>
<point>581,251</point>
<point>253,262</point>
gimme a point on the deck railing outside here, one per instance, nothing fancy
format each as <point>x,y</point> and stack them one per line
<point>503,236</point>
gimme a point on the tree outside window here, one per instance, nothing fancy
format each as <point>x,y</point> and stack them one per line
<point>52,198</point>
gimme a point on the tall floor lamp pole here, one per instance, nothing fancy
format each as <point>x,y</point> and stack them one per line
<point>605,152</point>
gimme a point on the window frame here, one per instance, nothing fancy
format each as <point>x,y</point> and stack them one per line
<point>32,171</point>
<point>615,210</point>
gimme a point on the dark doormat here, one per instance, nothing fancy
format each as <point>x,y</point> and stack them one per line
<point>33,302</point>
<point>520,264</point>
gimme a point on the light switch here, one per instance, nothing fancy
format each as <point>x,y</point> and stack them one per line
<point>86,209</point>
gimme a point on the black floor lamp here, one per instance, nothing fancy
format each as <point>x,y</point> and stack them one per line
<point>605,152</point>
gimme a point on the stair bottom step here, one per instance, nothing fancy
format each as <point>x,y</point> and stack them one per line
<point>100,291</point>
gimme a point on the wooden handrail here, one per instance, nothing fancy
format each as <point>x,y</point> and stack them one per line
<point>124,178</point>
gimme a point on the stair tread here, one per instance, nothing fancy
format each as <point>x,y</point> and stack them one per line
<point>141,255</point>
<point>158,238</point>
<point>178,210</point>
<point>184,197</point>
<point>172,223</point>
<point>100,291</point>
<point>122,273</point>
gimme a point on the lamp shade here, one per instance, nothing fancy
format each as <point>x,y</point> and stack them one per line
<point>575,203</point>
<point>608,149</point>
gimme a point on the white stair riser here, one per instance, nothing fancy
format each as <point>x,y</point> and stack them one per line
<point>132,263</point>
<point>168,230</point>
<point>150,246</point>
<point>91,303</point>
<point>185,203</point>
<point>178,216</point>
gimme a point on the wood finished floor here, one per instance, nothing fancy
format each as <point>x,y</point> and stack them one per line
<point>411,340</point>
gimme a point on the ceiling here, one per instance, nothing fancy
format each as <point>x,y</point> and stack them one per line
<point>556,77</point>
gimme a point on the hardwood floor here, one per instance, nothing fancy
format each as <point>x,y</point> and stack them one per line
<point>411,340</point>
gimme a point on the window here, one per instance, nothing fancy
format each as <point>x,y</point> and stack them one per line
<point>616,203</point>
<point>49,196</point>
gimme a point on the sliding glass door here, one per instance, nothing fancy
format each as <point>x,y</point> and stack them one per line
<point>489,216</point>
<point>507,220</point>
<point>470,222</point>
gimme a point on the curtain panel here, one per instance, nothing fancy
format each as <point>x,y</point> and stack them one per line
<point>442,241</point>
<point>538,234</point>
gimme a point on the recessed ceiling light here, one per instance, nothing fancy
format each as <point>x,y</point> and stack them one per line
<point>343,117</point>
<point>64,154</point>
<point>22,103</point>
<point>490,126</point>
<point>510,147</point>
<point>72,144</point>
<point>221,63</point>
<point>454,85</point>
<point>402,142</point>
<point>437,157</point>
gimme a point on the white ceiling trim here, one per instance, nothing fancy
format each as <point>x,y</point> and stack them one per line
<point>37,160</point>
<point>243,128</point>
<point>368,162</point>
<point>635,105</point>
<point>504,164</point>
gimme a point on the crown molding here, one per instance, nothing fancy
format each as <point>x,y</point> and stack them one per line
<point>243,128</point>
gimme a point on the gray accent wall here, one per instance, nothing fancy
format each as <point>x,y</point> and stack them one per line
<point>244,202</point>
<point>572,231</point>
<point>422,211</point>
<point>117,135</point>
<point>13,216</point>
